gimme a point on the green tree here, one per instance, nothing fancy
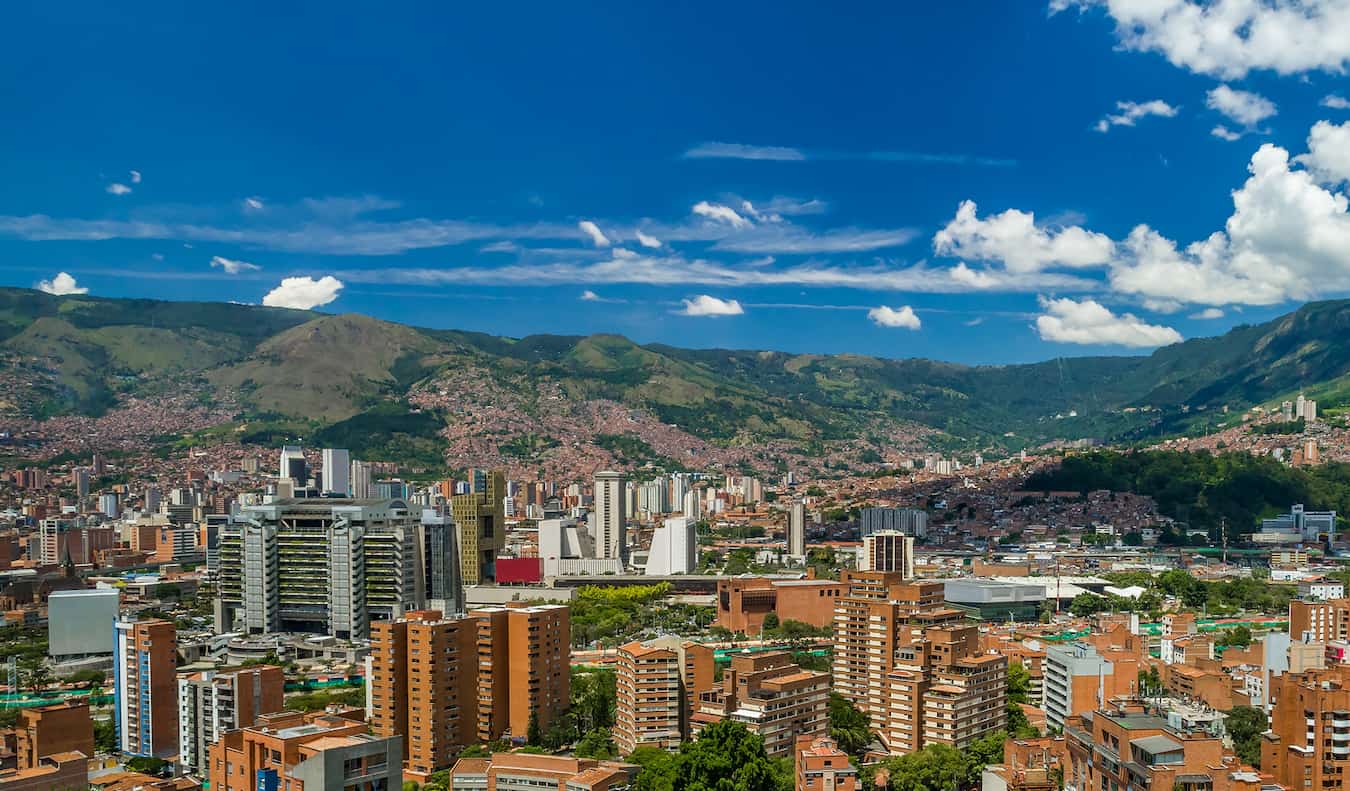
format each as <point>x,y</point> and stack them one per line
<point>596,744</point>
<point>1245,725</point>
<point>34,675</point>
<point>534,735</point>
<point>725,757</point>
<point>848,726</point>
<point>475,751</point>
<point>105,736</point>
<point>1237,637</point>
<point>770,623</point>
<point>657,772</point>
<point>1019,683</point>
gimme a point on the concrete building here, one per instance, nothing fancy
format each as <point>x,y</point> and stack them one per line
<point>146,692</point>
<point>292,465</point>
<point>317,752</point>
<point>821,766</point>
<point>210,703</point>
<point>772,697</point>
<point>524,772</point>
<point>796,529</point>
<point>321,565</point>
<point>674,548</point>
<point>481,521</point>
<point>78,622</point>
<point>1301,525</point>
<point>1321,589</point>
<point>362,481</point>
<point>607,516</point>
<point>1079,678</point>
<point>941,689</point>
<point>888,550</point>
<point>523,667</point>
<point>995,600</point>
<point>656,685</point>
<point>337,472</point>
<point>438,538</point>
<point>423,677</point>
<point>910,521</point>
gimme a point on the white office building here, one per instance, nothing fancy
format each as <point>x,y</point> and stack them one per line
<point>80,621</point>
<point>337,469</point>
<point>796,529</point>
<point>607,517</point>
<point>674,548</point>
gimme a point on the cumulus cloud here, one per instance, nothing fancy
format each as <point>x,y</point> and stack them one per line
<point>1328,157</point>
<point>231,266</point>
<point>1229,38</point>
<point>303,293</point>
<point>647,241</point>
<point>592,230</point>
<point>117,189</point>
<point>704,305</point>
<point>1207,314</point>
<point>1089,322</point>
<point>1335,102</point>
<point>1014,239</point>
<point>1131,112</point>
<point>902,317</point>
<point>61,285</point>
<point>1242,107</point>
<point>720,213</point>
<point>1224,133</point>
<point>743,151</point>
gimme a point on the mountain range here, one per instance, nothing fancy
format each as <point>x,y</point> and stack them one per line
<point>385,388</point>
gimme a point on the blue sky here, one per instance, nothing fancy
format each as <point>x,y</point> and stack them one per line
<point>979,182</point>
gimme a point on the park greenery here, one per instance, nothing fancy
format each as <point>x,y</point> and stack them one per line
<point>1226,597</point>
<point>1204,490</point>
<point>612,616</point>
<point>1245,725</point>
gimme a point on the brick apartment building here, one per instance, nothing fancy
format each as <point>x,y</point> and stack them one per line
<point>772,697</point>
<point>656,688</point>
<point>289,750</point>
<point>210,703</point>
<point>942,689</point>
<point>821,766</point>
<point>522,772</point>
<point>1308,745</point>
<point>742,602</point>
<point>144,667</point>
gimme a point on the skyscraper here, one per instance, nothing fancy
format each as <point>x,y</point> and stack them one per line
<point>211,703</point>
<point>674,548</point>
<point>523,667</point>
<point>146,691</point>
<point>337,468</point>
<point>481,521</point>
<point>607,517</point>
<point>362,481</point>
<point>293,465</point>
<point>796,529</point>
<point>439,539</point>
<point>910,521</point>
<point>888,550</point>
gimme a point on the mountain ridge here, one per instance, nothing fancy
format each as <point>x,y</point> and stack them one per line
<point>326,369</point>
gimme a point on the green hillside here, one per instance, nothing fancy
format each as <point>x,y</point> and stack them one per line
<point>352,373</point>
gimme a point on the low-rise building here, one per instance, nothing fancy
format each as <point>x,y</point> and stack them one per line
<point>822,766</point>
<point>772,697</point>
<point>523,772</point>
<point>301,752</point>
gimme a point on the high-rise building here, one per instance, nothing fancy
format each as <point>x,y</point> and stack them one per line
<point>942,689</point>
<point>656,685</point>
<point>292,465</point>
<point>337,470</point>
<point>821,766</point>
<point>879,612</point>
<point>423,676</point>
<point>210,703</point>
<point>362,481</point>
<point>888,550</point>
<point>313,752</point>
<point>324,566</point>
<point>523,667</point>
<point>1308,745</point>
<point>81,482</point>
<point>1319,621</point>
<point>674,548</point>
<point>78,621</point>
<point>772,697</point>
<point>146,691</point>
<point>482,527</point>
<point>439,540</point>
<point>692,505</point>
<point>910,521</point>
<point>1078,677</point>
<point>44,731</point>
<point>607,516</point>
<point>796,529</point>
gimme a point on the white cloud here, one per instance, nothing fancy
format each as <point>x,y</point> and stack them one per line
<point>720,213</point>
<point>589,296</point>
<point>61,285</point>
<point>743,151</point>
<point>117,189</point>
<point>1243,107</point>
<point>592,230</point>
<point>303,293</point>
<point>620,252</point>
<point>647,241</point>
<point>135,177</point>
<point>1335,102</point>
<point>1228,38</point>
<point>1014,239</point>
<point>704,305</point>
<point>1089,322</point>
<point>902,317</point>
<point>1224,133</point>
<point>1328,157</point>
<point>1207,314</point>
<point>1131,112</point>
<point>231,266</point>
<point>253,203</point>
